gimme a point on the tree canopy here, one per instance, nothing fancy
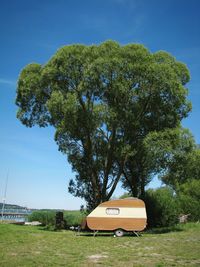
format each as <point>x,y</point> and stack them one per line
<point>183,168</point>
<point>103,100</point>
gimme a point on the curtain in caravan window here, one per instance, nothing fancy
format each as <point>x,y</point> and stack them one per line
<point>112,211</point>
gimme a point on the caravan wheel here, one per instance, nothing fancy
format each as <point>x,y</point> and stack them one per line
<point>119,232</point>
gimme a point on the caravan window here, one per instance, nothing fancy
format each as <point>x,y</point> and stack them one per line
<point>112,211</point>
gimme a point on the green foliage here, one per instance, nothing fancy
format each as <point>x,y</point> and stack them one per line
<point>73,218</point>
<point>162,207</point>
<point>103,100</point>
<point>189,199</point>
<point>59,221</point>
<point>164,146</point>
<point>125,195</point>
<point>44,217</point>
<point>47,218</point>
<point>183,167</point>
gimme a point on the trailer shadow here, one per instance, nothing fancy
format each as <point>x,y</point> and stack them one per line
<point>96,235</point>
<point>105,234</point>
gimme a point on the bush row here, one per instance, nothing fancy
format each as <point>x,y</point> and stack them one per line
<point>164,206</point>
<point>72,218</point>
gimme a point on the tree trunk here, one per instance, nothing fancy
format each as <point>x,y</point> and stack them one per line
<point>142,188</point>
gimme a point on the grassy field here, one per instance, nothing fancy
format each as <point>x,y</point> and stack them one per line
<point>33,246</point>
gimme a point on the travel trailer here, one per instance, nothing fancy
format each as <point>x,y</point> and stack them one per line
<point>118,215</point>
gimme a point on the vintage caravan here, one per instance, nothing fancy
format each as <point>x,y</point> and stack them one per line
<point>119,215</point>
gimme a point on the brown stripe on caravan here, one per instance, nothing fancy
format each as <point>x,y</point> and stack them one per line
<point>129,202</point>
<point>111,224</point>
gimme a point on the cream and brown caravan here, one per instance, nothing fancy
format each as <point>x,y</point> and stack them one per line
<point>119,215</point>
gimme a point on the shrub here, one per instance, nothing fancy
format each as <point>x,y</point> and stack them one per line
<point>162,207</point>
<point>189,199</point>
<point>44,217</point>
<point>59,221</point>
<point>48,218</point>
<point>73,218</point>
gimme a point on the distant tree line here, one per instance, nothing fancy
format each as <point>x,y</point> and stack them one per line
<point>11,206</point>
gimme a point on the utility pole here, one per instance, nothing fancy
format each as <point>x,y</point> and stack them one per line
<point>4,198</point>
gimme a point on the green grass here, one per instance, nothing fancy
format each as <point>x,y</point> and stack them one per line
<point>32,246</point>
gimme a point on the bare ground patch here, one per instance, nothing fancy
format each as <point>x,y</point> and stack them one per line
<point>97,257</point>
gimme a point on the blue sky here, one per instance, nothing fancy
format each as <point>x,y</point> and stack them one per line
<point>31,31</point>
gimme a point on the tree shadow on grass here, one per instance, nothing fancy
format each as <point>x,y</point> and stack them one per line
<point>164,230</point>
<point>161,230</point>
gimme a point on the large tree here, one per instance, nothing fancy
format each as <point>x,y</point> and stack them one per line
<point>156,114</point>
<point>156,155</point>
<point>183,168</point>
<point>169,154</point>
<point>103,100</point>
